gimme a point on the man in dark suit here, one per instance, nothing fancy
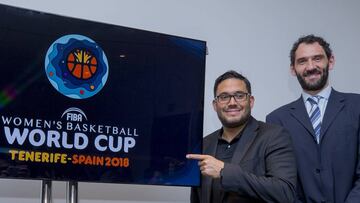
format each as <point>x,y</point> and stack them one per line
<point>324,125</point>
<point>246,160</point>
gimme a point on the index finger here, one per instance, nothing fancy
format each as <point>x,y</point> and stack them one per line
<point>196,156</point>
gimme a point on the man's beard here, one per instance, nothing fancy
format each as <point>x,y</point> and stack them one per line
<point>318,85</point>
<point>236,123</point>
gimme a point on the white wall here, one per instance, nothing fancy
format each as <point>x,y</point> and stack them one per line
<point>250,36</point>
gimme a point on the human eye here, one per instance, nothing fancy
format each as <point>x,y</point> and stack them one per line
<point>223,97</point>
<point>240,95</point>
<point>301,61</point>
<point>317,58</point>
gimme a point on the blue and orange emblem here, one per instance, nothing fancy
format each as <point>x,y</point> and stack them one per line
<point>76,66</point>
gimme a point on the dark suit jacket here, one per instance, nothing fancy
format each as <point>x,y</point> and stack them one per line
<point>329,172</point>
<point>263,171</point>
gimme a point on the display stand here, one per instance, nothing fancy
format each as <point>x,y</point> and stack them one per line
<point>46,188</point>
<point>72,192</point>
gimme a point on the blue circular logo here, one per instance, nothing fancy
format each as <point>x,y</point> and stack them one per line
<point>76,66</point>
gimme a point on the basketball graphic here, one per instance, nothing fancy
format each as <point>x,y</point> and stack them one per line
<point>76,66</point>
<point>82,64</point>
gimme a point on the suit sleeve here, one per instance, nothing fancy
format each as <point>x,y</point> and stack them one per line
<point>194,196</point>
<point>354,195</point>
<point>278,183</point>
<point>273,119</point>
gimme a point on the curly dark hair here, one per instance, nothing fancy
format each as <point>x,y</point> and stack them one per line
<point>309,39</point>
<point>232,74</point>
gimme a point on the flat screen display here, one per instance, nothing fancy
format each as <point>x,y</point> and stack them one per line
<point>94,102</point>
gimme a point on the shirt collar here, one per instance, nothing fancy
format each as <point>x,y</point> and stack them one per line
<point>237,137</point>
<point>325,94</point>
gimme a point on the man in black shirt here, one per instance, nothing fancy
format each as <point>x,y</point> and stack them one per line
<point>246,160</point>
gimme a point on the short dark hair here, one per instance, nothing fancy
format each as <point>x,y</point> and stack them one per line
<point>231,74</point>
<point>309,39</point>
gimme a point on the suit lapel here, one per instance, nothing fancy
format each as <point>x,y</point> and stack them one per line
<point>249,134</point>
<point>298,111</point>
<point>334,105</point>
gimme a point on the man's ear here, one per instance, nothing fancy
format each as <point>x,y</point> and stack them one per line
<point>331,62</point>
<point>214,104</point>
<point>292,70</point>
<point>252,101</point>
